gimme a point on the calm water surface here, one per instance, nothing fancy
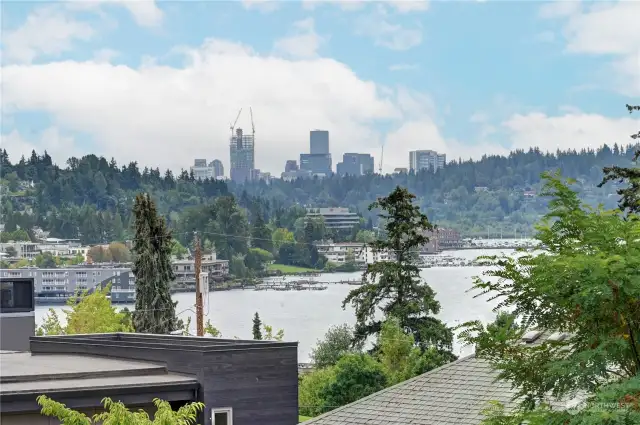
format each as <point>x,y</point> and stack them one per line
<point>305,316</point>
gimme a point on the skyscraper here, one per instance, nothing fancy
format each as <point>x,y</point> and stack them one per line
<point>218,168</point>
<point>355,164</point>
<point>318,161</point>
<point>426,159</point>
<point>319,142</point>
<point>241,152</point>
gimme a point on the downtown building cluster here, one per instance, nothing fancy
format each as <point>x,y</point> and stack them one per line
<point>316,163</point>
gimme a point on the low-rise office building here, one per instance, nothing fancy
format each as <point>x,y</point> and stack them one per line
<point>335,218</point>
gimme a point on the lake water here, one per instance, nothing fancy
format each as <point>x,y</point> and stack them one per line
<point>305,316</point>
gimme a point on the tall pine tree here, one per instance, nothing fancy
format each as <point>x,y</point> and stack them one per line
<point>395,287</point>
<point>155,310</point>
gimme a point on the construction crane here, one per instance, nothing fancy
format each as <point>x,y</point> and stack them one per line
<point>381,159</point>
<point>253,129</point>
<point>233,126</point>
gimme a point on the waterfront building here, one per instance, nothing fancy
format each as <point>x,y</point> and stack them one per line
<point>335,218</point>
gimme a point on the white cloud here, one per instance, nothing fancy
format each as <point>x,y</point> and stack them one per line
<point>479,117</point>
<point>265,6</point>
<point>393,36</point>
<point>403,67</point>
<point>571,130</point>
<point>163,116</point>
<point>53,29</point>
<point>559,8</point>
<point>303,43</point>
<point>146,13</point>
<point>407,6</point>
<point>57,145</point>
<point>48,30</point>
<point>401,6</point>
<point>608,28</point>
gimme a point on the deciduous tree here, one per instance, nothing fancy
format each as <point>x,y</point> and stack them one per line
<point>337,342</point>
<point>585,282</point>
<point>92,313</point>
<point>356,376</point>
<point>116,413</point>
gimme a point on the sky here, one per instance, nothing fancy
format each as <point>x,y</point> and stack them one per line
<point>161,82</point>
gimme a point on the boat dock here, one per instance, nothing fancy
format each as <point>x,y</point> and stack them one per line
<point>302,285</point>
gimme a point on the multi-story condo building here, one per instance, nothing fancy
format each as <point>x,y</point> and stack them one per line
<point>340,253</point>
<point>242,155</point>
<point>56,286</point>
<point>445,238</point>
<point>426,160</point>
<point>202,171</point>
<point>185,270</point>
<point>335,218</point>
<point>291,165</point>
<point>218,168</point>
<point>28,250</point>
<point>355,164</point>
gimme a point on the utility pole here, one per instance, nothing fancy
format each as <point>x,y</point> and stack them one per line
<point>198,265</point>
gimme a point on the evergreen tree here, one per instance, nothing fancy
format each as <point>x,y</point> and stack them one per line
<point>630,196</point>
<point>155,310</point>
<point>260,233</point>
<point>257,327</point>
<point>395,287</point>
<point>118,228</point>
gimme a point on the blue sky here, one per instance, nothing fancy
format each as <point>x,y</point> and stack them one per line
<point>157,82</point>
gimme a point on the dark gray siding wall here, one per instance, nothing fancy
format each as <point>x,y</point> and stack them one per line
<point>261,386</point>
<point>15,330</point>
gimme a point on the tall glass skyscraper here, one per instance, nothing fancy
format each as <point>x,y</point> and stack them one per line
<point>319,142</point>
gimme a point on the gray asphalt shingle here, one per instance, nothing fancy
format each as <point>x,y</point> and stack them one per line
<point>455,393</point>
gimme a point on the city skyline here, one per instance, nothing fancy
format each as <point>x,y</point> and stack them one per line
<point>159,83</point>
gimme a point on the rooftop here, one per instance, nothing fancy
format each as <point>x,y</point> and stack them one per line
<point>26,373</point>
<point>136,368</point>
<point>453,394</point>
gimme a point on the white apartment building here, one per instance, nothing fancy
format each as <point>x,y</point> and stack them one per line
<point>338,253</point>
<point>426,159</point>
<point>202,171</point>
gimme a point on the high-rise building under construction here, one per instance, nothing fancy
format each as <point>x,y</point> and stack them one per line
<point>242,153</point>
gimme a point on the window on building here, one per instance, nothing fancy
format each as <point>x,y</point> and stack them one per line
<point>222,416</point>
<point>16,296</point>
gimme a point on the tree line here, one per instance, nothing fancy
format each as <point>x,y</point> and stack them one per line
<point>92,198</point>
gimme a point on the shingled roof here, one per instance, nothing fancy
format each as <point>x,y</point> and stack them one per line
<point>453,394</point>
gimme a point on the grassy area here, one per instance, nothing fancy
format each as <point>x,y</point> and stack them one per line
<point>290,269</point>
<point>303,418</point>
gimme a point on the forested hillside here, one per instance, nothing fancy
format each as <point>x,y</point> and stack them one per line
<point>91,197</point>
